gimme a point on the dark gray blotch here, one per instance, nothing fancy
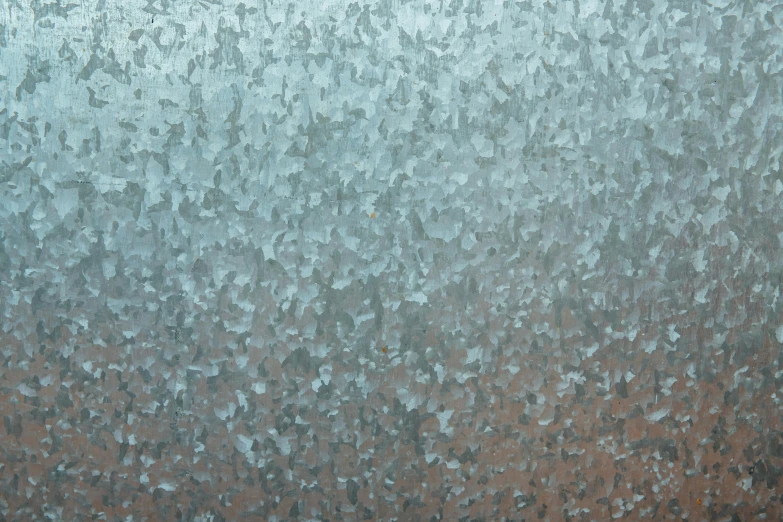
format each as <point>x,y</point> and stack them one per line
<point>353,491</point>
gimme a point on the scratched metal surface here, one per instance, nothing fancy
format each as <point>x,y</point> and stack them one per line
<point>391,260</point>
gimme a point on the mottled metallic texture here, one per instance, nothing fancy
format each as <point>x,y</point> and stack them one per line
<point>446,260</point>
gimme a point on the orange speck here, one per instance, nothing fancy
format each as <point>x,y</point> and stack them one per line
<point>698,501</point>
<point>384,350</point>
<point>372,215</point>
